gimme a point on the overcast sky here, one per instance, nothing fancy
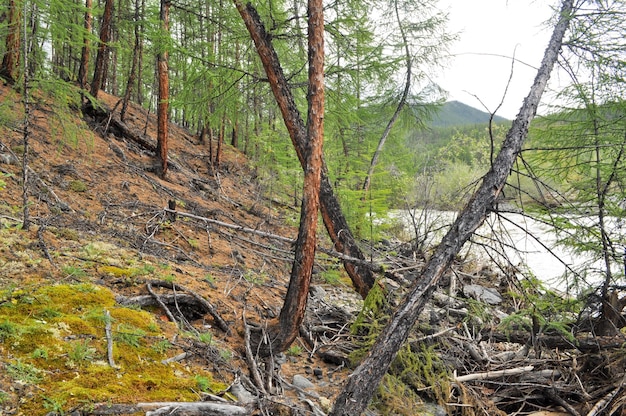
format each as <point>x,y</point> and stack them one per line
<point>495,27</point>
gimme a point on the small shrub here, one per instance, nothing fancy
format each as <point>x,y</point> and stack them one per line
<point>78,186</point>
<point>129,335</point>
<point>80,352</point>
<point>24,372</point>
<point>40,353</point>
<point>161,346</point>
<point>204,384</point>
<point>294,350</point>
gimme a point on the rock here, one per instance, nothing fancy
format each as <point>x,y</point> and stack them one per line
<point>240,392</point>
<point>8,158</point>
<point>318,373</point>
<point>482,294</point>
<point>302,382</point>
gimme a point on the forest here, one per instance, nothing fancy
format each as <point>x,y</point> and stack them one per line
<point>218,208</point>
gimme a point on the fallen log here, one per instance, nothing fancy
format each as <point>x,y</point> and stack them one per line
<point>585,344</point>
<point>192,409</point>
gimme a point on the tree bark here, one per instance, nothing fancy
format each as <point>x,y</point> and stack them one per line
<point>11,58</point>
<point>84,58</point>
<point>294,307</point>
<point>333,217</point>
<point>132,76</point>
<point>162,118</point>
<point>363,382</point>
<point>103,48</point>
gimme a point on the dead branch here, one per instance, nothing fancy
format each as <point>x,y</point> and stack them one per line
<point>254,370</point>
<point>205,303</point>
<point>604,402</point>
<point>377,268</point>
<point>109,337</point>
<point>494,374</point>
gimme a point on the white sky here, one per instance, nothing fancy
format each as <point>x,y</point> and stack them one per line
<point>495,27</point>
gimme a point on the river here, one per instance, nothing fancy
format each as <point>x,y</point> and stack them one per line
<point>529,244</point>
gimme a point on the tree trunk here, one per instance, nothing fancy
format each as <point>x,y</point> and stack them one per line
<point>11,58</point>
<point>105,33</point>
<point>84,58</point>
<point>162,120</point>
<point>363,382</point>
<point>132,76</point>
<point>294,307</point>
<point>396,114</point>
<point>333,217</point>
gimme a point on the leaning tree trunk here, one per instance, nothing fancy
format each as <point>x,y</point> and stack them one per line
<point>363,382</point>
<point>164,88</point>
<point>400,106</point>
<point>333,217</point>
<point>103,48</point>
<point>294,307</point>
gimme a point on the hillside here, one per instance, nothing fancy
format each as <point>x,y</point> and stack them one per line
<point>99,234</point>
<point>112,305</point>
<point>455,113</point>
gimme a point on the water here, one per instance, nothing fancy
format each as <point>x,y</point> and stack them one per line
<point>529,245</point>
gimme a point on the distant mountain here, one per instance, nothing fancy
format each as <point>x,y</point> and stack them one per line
<point>455,113</point>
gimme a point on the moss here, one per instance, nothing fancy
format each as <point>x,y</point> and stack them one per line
<point>55,336</point>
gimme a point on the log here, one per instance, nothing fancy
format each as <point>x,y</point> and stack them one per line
<point>192,409</point>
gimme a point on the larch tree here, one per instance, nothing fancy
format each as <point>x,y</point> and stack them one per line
<point>99,73</point>
<point>294,307</point>
<point>84,57</point>
<point>584,138</point>
<point>132,74</point>
<point>363,382</point>
<point>11,59</point>
<point>332,215</point>
<point>163,96</point>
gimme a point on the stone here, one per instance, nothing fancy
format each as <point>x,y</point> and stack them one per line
<point>482,294</point>
<point>302,382</point>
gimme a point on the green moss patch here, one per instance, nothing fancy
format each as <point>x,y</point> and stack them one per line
<point>53,337</point>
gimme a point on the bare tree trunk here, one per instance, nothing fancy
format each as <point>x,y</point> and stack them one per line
<point>162,120</point>
<point>11,59</point>
<point>333,217</point>
<point>396,114</point>
<point>363,382</point>
<point>294,307</point>
<point>132,76</point>
<point>26,137</point>
<point>105,37</point>
<point>84,58</point>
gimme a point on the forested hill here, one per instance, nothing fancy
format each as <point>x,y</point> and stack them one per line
<point>455,113</point>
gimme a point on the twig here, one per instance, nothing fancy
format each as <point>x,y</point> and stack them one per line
<point>160,302</point>
<point>604,402</point>
<point>256,376</point>
<point>551,392</point>
<point>494,374</point>
<point>175,358</point>
<point>109,337</point>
